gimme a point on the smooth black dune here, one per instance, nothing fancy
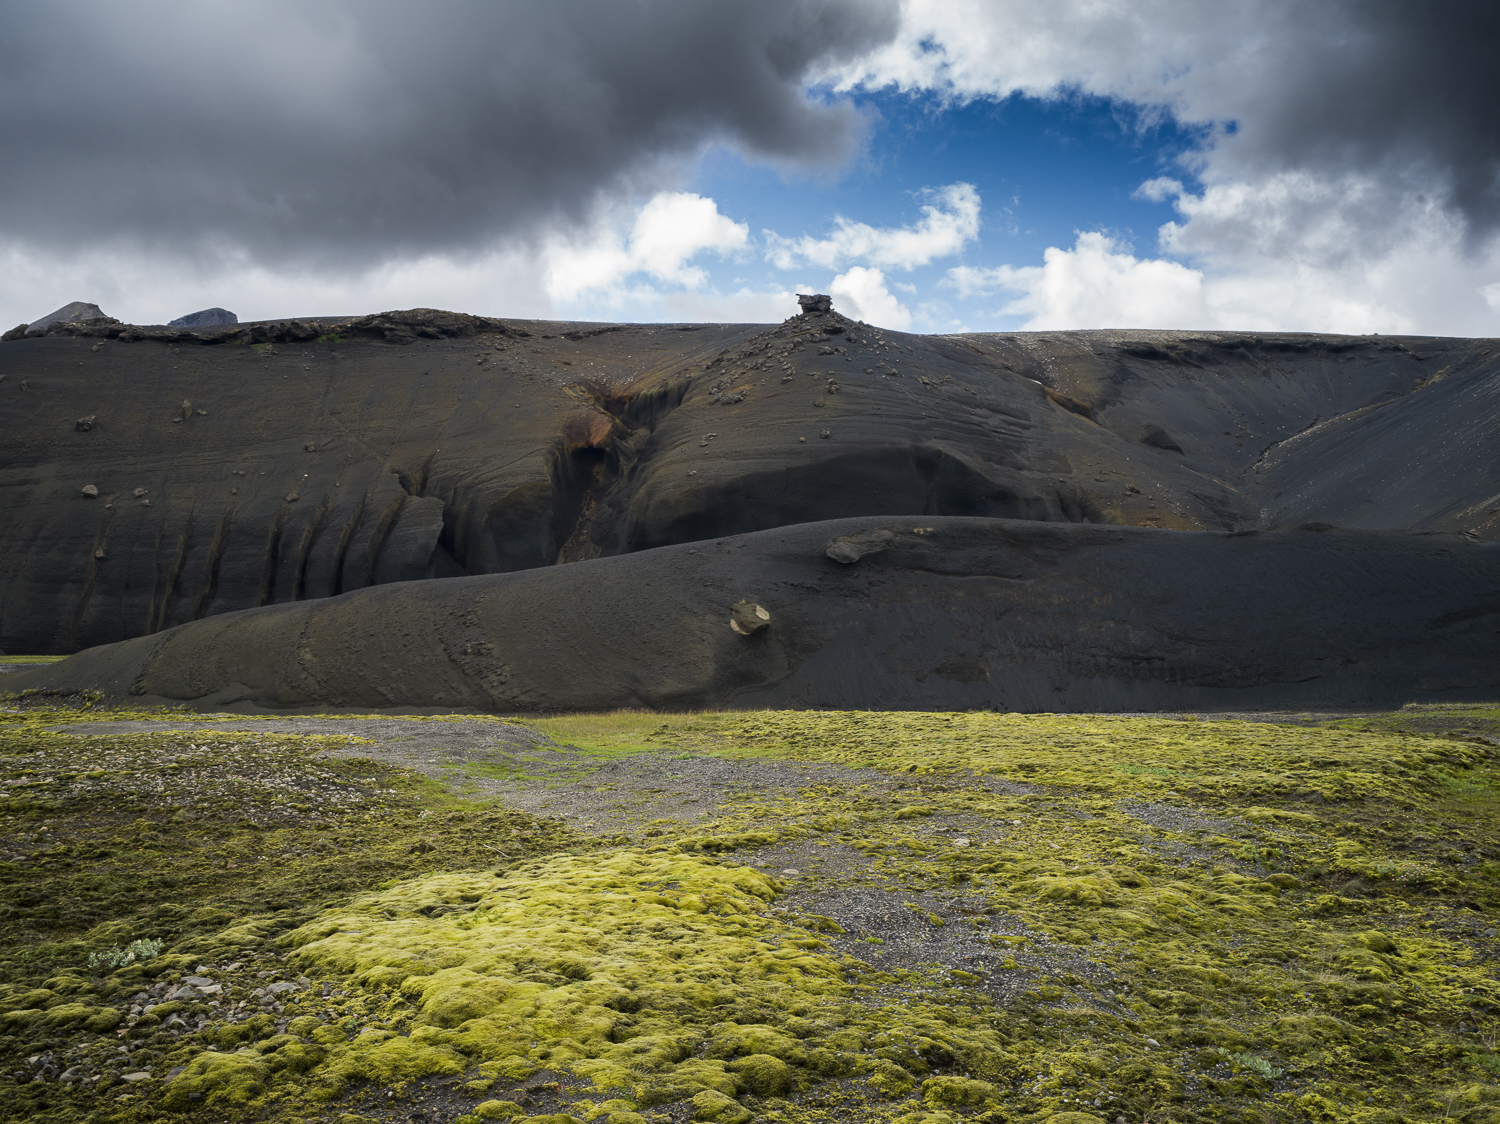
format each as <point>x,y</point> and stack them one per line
<point>938,613</point>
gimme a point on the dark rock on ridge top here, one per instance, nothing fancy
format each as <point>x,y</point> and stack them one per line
<point>208,318</point>
<point>389,327</point>
<point>300,459</point>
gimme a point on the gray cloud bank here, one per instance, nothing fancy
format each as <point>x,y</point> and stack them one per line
<point>350,132</point>
<point>1404,92</point>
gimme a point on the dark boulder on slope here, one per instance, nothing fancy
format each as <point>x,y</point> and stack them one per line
<point>952,613</point>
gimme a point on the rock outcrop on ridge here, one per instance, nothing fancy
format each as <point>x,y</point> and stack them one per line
<point>76,312</point>
<point>207,318</point>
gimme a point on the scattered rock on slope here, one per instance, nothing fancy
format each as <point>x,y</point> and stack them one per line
<point>748,618</point>
<point>849,549</point>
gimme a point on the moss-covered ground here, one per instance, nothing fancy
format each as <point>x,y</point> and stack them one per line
<point>953,917</point>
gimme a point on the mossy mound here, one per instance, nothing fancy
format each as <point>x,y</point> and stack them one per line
<point>548,966</point>
<point>654,973</point>
<point>129,860</point>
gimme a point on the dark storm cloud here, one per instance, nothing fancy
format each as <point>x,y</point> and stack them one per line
<point>350,132</point>
<point>1405,92</point>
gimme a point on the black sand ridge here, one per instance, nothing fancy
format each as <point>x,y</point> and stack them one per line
<point>1119,519</point>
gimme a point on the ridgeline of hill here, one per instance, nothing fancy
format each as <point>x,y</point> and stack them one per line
<point>163,477</point>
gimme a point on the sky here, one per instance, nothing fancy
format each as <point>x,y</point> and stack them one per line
<point>935,165</point>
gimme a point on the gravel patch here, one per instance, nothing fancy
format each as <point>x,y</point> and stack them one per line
<point>488,760</point>
<point>1172,817</point>
<point>1182,821</point>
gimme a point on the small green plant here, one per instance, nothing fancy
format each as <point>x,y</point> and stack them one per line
<point>1254,1063</point>
<point>1457,782</point>
<point>932,919</point>
<point>121,955</point>
<point>1489,1062</point>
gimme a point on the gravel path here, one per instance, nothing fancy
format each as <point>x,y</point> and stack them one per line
<point>488,760</point>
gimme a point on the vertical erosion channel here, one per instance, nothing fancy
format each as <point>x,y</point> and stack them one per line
<point>591,463</point>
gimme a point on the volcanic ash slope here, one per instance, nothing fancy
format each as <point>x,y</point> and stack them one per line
<point>869,613</point>
<point>155,477</point>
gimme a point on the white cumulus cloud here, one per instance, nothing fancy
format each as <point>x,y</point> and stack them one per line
<point>664,237</point>
<point>860,293</point>
<point>949,222</point>
<point>1097,284</point>
<point>640,261</point>
<point>1331,195</point>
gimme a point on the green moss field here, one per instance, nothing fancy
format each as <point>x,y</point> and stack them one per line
<point>798,917</point>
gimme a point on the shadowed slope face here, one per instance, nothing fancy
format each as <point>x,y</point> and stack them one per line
<point>255,473</point>
<point>1357,431</point>
<point>276,463</point>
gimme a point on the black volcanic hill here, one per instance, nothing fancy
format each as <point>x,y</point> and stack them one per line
<point>273,463</point>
